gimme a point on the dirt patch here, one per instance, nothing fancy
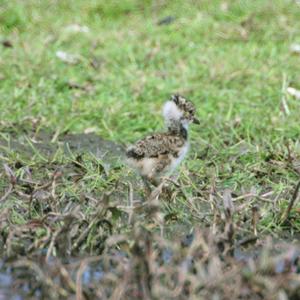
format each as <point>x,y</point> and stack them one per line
<point>77,143</point>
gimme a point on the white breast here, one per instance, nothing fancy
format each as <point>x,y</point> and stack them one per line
<point>179,159</point>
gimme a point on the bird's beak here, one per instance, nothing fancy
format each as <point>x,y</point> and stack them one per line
<point>196,121</point>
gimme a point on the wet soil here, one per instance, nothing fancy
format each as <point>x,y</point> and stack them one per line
<point>69,143</point>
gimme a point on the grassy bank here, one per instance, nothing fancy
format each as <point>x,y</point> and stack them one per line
<point>73,67</point>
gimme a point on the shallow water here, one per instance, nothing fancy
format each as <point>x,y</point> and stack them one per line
<point>14,284</point>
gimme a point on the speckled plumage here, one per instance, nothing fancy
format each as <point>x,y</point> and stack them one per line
<point>158,154</point>
<point>157,144</point>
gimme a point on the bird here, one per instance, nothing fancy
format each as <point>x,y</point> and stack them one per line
<point>158,154</point>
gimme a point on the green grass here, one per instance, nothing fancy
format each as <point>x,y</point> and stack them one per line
<point>232,59</point>
<point>231,63</point>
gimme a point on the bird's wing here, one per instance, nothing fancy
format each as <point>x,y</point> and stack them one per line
<point>155,145</point>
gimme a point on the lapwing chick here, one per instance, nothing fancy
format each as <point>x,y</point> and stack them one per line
<point>158,154</point>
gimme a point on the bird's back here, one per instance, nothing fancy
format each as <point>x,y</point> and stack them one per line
<point>157,153</point>
<point>156,144</point>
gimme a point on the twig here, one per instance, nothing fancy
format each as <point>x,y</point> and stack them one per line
<point>172,181</point>
<point>246,241</point>
<point>83,265</point>
<point>51,246</point>
<point>229,229</point>
<point>130,196</point>
<point>7,193</point>
<point>286,214</point>
<point>255,217</point>
<point>252,195</point>
<point>285,107</point>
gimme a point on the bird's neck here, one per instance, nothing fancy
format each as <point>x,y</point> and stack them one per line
<point>178,128</point>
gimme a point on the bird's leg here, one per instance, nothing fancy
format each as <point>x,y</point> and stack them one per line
<point>147,187</point>
<point>158,184</point>
<point>151,193</point>
<point>167,191</point>
<point>174,177</point>
<point>154,177</point>
<point>154,181</point>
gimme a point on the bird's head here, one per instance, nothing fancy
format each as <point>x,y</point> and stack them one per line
<point>180,110</point>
